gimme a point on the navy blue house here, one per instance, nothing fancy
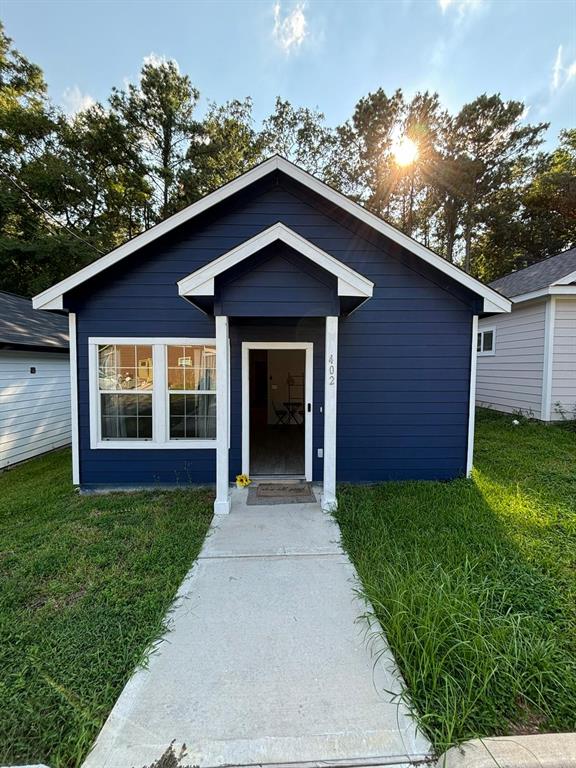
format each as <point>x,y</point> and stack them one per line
<point>274,328</point>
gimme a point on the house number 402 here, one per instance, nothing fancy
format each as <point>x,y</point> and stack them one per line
<point>331,371</point>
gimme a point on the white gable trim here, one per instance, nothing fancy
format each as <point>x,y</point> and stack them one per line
<point>557,289</point>
<point>495,301</point>
<point>201,282</point>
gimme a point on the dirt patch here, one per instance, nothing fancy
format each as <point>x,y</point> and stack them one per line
<point>531,722</point>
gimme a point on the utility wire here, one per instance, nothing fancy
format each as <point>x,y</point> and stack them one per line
<point>47,213</point>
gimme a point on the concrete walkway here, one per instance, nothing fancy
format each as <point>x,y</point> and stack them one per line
<point>266,661</point>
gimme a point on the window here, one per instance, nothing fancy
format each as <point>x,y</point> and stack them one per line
<point>125,387</point>
<point>150,393</point>
<point>192,392</point>
<point>485,344</point>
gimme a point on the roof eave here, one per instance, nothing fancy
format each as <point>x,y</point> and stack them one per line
<point>551,290</point>
<point>52,298</point>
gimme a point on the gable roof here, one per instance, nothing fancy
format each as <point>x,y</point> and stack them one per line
<point>350,282</point>
<point>52,298</point>
<point>22,327</point>
<point>559,270</point>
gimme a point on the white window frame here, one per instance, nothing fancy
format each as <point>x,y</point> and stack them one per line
<point>160,408</point>
<point>486,353</point>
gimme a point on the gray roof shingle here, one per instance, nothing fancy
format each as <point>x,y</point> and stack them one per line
<point>537,276</point>
<point>22,326</point>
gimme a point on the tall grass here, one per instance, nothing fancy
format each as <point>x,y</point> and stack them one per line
<point>479,617</point>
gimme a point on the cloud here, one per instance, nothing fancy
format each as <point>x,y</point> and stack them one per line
<point>462,7</point>
<point>291,28</point>
<point>157,59</point>
<point>561,74</point>
<point>74,101</point>
<point>557,69</point>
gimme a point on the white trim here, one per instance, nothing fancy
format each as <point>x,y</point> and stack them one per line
<point>496,301</point>
<point>201,282</point>
<point>222,501</point>
<point>552,290</point>
<point>74,398</point>
<point>472,401</point>
<point>547,369</point>
<point>160,433</point>
<point>308,397</point>
<point>329,501</point>
<point>490,352</point>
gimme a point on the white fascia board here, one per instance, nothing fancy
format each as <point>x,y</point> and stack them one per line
<point>551,290</point>
<point>490,307</point>
<point>201,282</point>
<point>500,303</point>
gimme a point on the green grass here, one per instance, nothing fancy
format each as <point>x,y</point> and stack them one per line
<point>474,583</point>
<point>85,582</point>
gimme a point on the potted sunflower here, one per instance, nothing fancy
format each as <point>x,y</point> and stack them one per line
<point>242,481</point>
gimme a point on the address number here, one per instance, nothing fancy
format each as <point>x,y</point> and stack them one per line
<point>331,371</point>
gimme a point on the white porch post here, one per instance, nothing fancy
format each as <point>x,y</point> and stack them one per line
<point>328,500</point>
<point>472,401</point>
<point>222,502</point>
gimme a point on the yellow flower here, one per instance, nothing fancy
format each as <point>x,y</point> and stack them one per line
<point>242,481</point>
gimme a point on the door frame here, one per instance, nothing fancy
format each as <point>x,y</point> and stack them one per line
<point>308,347</point>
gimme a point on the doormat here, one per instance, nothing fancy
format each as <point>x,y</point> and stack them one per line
<point>280,493</point>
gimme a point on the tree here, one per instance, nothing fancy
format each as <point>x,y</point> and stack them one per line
<point>538,222</point>
<point>28,131</point>
<point>225,145</point>
<point>299,135</point>
<point>160,112</point>
<point>491,147</point>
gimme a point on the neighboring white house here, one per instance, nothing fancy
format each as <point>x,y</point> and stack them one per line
<point>527,359</point>
<point>34,380</point>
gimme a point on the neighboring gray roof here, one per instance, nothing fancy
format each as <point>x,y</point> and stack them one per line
<point>537,276</point>
<point>22,326</point>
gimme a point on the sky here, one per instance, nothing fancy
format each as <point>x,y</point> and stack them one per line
<point>316,53</point>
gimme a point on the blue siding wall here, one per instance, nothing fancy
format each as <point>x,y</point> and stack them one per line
<point>277,283</point>
<point>404,356</point>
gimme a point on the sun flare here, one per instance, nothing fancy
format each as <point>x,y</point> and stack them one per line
<point>405,151</point>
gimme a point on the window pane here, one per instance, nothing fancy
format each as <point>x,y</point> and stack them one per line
<point>129,427</point>
<point>145,427</point>
<point>144,368</point>
<point>144,405</point>
<point>109,405</point>
<point>488,341</point>
<point>177,405</point>
<point>126,416</point>
<point>109,427</point>
<point>192,367</point>
<point>177,427</point>
<point>125,366</point>
<point>479,343</point>
<point>193,417</point>
<point>175,378</point>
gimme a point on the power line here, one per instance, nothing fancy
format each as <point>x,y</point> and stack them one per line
<point>47,213</point>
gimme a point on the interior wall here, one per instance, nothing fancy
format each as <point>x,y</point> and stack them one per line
<point>281,364</point>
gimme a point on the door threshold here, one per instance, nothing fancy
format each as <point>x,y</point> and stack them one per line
<point>277,478</point>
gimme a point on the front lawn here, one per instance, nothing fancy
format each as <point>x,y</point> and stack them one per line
<point>85,582</point>
<point>474,583</point>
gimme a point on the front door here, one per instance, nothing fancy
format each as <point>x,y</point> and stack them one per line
<point>277,410</point>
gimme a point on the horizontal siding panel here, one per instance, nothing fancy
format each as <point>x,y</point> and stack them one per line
<point>563,396</point>
<point>24,452</point>
<point>404,356</point>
